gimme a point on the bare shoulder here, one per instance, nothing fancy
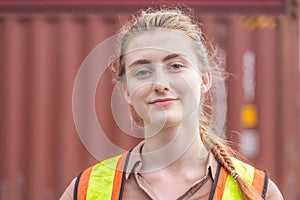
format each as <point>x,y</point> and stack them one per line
<point>68,193</point>
<point>273,193</point>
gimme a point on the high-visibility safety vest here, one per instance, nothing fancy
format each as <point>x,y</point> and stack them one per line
<point>105,181</point>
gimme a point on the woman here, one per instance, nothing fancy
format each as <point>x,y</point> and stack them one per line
<point>166,75</point>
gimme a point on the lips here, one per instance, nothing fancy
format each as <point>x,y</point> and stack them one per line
<point>163,101</point>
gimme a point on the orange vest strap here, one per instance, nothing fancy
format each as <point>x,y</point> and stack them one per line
<point>82,181</point>
<point>219,183</point>
<point>260,182</point>
<point>118,184</point>
<point>81,184</point>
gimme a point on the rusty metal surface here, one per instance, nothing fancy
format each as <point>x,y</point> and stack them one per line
<point>40,54</point>
<point>224,4</point>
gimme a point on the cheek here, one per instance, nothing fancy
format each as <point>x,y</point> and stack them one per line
<point>137,90</point>
<point>137,87</point>
<point>138,94</point>
<point>189,86</point>
<point>132,86</point>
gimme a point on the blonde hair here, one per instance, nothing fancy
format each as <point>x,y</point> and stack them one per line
<point>181,20</point>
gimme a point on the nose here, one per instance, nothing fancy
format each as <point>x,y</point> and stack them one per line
<point>160,88</point>
<point>161,84</point>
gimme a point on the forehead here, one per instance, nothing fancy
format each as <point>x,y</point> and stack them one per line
<point>163,40</point>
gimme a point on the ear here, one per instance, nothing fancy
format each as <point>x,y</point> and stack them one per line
<point>126,94</point>
<point>205,81</point>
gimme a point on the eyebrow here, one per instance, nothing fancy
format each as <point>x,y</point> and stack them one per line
<point>171,56</point>
<point>145,61</point>
<point>139,62</point>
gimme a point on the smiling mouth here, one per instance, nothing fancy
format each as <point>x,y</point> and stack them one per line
<point>163,102</point>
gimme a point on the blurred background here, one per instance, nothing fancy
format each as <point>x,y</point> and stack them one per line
<point>43,43</point>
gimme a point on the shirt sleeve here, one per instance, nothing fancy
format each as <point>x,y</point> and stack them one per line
<point>273,193</point>
<point>68,193</point>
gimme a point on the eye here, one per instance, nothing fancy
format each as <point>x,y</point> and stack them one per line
<point>176,67</point>
<point>142,73</point>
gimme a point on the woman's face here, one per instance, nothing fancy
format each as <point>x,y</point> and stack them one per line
<point>163,81</point>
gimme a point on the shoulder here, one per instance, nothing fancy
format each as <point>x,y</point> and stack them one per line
<point>68,193</point>
<point>260,178</point>
<point>273,193</point>
<point>105,166</point>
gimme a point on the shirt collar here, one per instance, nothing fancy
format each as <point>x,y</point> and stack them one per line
<point>135,162</point>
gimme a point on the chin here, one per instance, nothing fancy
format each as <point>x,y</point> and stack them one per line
<point>168,119</point>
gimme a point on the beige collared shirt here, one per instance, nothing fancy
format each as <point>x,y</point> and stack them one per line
<point>136,187</point>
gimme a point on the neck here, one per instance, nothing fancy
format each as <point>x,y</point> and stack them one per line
<point>173,148</point>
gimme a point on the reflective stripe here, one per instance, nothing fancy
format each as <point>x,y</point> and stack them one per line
<point>246,172</point>
<point>101,180</point>
<point>83,183</point>
<point>117,185</point>
<point>221,184</point>
<point>258,181</point>
<point>227,188</point>
<point>104,181</point>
